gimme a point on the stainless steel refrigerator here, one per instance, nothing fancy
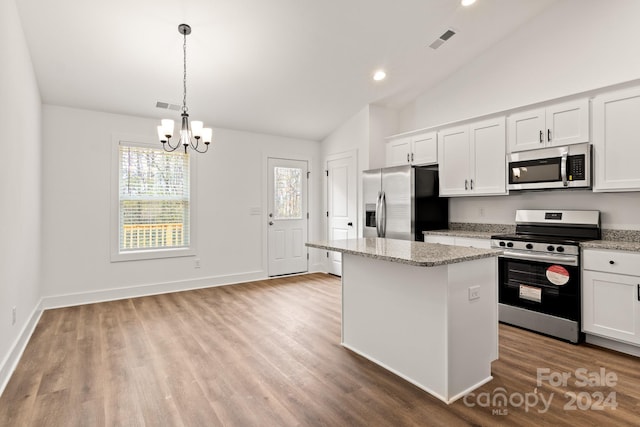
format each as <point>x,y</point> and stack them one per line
<point>401,202</point>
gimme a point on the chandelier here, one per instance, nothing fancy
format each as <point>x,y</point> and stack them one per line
<point>191,134</point>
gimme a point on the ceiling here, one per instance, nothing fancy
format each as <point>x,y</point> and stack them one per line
<point>296,68</point>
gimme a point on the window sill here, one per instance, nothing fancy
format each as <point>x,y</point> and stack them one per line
<point>152,254</point>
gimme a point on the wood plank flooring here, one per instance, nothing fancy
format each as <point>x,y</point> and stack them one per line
<point>268,353</point>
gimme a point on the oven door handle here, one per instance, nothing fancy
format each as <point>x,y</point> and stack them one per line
<point>553,259</point>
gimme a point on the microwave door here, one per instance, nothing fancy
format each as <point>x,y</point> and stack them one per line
<point>541,173</point>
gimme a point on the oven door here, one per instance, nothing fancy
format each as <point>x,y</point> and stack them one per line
<point>542,285</point>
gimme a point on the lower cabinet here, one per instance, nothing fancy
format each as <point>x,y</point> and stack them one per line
<point>611,295</point>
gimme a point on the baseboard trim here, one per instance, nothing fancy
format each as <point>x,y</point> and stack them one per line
<point>14,355</point>
<point>622,347</point>
<point>80,298</point>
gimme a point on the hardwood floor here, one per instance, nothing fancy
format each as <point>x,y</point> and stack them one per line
<point>267,353</point>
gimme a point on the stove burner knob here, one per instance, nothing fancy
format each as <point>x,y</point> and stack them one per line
<point>560,249</point>
<point>510,244</point>
<point>550,248</point>
<point>501,243</point>
<point>529,246</point>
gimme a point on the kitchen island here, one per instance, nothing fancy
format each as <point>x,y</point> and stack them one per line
<point>426,312</point>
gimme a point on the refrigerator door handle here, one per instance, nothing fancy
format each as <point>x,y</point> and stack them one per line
<point>378,213</point>
<point>383,209</point>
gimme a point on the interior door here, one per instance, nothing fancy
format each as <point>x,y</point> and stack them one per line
<point>287,216</point>
<point>342,204</point>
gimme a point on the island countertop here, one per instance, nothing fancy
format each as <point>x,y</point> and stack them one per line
<point>404,251</point>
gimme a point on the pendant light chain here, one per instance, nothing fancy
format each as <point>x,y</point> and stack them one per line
<point>184,80</point>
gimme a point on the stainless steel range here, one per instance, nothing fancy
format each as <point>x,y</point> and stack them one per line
<point>539,286</point>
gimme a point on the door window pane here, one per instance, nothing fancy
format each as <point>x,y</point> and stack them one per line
<point>288,193</point>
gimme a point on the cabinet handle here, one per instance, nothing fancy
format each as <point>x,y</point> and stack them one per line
<point>466,184</point>
<point>472,184</point>
<point>549,135</point>
<point>412,157</point>
<point>638,292</point>
<point>612,262</point>
<point>541,138</point>
<point>407,157</point>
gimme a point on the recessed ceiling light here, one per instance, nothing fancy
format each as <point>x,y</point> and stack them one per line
<point>467,2</point>
<point>379,75</point>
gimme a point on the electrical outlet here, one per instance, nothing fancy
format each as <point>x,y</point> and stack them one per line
<point>14,316</point>
<point>474,292</point>
<point>196,263</point>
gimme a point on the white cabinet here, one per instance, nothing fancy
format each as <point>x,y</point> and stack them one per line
<point>558,124</point>
<point>472,159</point>
<point>616,126</point>
<point>420,149</point>
<point>611,295</point>
<point>398,151</point>
<point>470,242</point>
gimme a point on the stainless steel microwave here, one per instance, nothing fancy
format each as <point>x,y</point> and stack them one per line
<point>548,168</point>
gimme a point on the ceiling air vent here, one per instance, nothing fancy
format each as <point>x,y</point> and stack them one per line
<point>443,38</point>
<point>167,106</point>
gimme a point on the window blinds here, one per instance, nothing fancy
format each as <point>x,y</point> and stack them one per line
<point>154,198</point>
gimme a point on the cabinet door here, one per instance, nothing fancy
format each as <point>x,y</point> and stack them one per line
<point>424,149</point>
<point>488,157</point>
<point>526,130</point>
<point>453,160</point>
<point>567,123</point>
<point>610,306</point>
<point>616,126</point>
<point>398,152</point>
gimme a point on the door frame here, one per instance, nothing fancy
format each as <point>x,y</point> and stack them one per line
<point>325,196</point>
<point>265,200</point>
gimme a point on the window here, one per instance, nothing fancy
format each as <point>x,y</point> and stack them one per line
<point>288,193</point>
<point>153,203</point>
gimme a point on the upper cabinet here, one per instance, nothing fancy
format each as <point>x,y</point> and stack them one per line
<point>472,159</point>
<point>616,126</point>
<point>420,149</point>
<point>557,124</point>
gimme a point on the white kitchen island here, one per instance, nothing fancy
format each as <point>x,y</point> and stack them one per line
<point>427,312</point>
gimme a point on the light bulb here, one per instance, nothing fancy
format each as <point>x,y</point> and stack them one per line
<point>207,134</point>
<point>161,136</point>
<point>196,128</point>
<point>167,127</point>
<point>379,75</point>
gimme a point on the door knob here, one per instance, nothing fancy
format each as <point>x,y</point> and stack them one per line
<point>350,224</point>
<point>270,222</point>
<point>271,215</point>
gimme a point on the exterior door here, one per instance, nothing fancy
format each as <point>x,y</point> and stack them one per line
<point>342,204</point>
<point>287,216</point>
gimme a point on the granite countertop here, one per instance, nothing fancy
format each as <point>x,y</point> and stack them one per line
<point>405,251</point>
<point>620,240</point>
<point>473,231</point>
<point>460,233</point>
<point>618,245</point>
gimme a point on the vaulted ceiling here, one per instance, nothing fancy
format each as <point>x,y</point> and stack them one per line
<point>295,68</point>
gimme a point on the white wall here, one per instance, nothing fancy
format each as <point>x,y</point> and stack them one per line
<point>77,177</point>
<point>365,132</point>
<point>382,123</point>
<point>20,190</point>
<point>574,46</point>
